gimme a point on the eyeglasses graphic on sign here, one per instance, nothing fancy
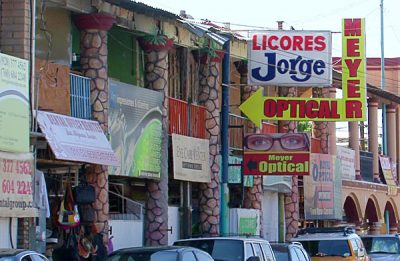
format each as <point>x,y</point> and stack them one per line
<point>277,142</point>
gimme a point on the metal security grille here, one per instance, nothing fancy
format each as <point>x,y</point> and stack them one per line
<point>80,97</point>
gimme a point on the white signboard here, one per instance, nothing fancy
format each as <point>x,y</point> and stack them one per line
<point>76,139</point>
<point>346,162</point>
<point>295,58</point>
<point>191,158</point>
<point>16,197</point>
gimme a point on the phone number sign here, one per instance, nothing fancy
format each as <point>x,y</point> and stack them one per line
<point>16,185</point>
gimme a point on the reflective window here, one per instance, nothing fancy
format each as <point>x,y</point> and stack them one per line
<point>327,247</point>
<point>202,257</point>
<point>257,249</point>
<point>381,244</point>
<point>188,256</point>
<point>268,252</point>
<point>249,251</point>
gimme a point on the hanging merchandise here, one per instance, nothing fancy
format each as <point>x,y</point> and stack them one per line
<point>86,214</point>
<point>84,194</point>
<point>68,215</point>
<point>69,249</point>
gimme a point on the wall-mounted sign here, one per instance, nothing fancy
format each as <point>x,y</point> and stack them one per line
<point>191,158</point>
<point>135,129</point>
<point>295,58</point>
<point>322,189</point>
<point>346,157</point>
<point>235,172</point>
<point>386,168</point>
<point>14,104</point>
<point>350,108</point>
<point>76,139</point>
<point>16,191</point>
<point>276,154</point>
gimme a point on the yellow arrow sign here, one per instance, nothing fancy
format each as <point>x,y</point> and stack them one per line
<point>258,108</point>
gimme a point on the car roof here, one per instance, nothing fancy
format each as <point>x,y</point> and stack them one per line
<point>237,238</point>
<point>154,249</point>
<point>12,252</point>
<point>324,236</point>
<point>381,235</point>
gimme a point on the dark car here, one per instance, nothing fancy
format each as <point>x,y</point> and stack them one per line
<point>7,254</point>
<point>165,253</point>
<point>232,248</point>
<point>382,247</point>
<point>293,251</point>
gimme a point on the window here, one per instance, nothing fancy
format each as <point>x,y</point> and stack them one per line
<point>257,249</point>
<point>327,247</point>
<point>188,256</point>
<point>202,257</point>
<point>293,255</point>
<point>268,252</point>
<point>300,253</point>
<point>269,256</point>
<point>249,251</point>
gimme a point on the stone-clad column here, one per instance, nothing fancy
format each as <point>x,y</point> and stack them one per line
<point>209,207</point>
<point>94,55</point>
<point>252,196</point>
<point>354,143</point>
<point>373,135</point>
<point>156,78</point>
<point>292,198</point>
<point>321,128</point>
<point>391,132</point>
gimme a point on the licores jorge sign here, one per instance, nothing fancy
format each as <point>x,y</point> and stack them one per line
<point>350,108</point>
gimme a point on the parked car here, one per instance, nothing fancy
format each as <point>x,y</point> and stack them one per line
<point>232,248</point>
<point>382,247</point>
<point>293,251</point>
<point>9,254</point>
<point>329,244</point>
<point>164,253</point>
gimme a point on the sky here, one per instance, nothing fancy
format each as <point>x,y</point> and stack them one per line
<point>301,15</point>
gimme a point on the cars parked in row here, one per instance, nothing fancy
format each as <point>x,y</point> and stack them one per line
<point>382,247</point>
<point>330,244</point>
<point>293,251</point>
<point>164,253</point>
<point>232,248</point>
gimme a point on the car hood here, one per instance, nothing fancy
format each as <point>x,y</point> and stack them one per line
<point>384,257</point>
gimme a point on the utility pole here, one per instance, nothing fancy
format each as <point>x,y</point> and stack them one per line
<point>224,216</point>
<point>384,137</point>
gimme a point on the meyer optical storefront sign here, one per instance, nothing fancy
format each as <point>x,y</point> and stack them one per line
<point>310,72</point>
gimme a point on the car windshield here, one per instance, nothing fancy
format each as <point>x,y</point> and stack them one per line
<point>218,248</point>
<point>145,256</point>
<point>327,247</point>
<point>381,245</point>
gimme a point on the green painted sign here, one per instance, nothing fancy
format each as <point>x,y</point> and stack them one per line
<point>248,225</point>
<point>14,104</point>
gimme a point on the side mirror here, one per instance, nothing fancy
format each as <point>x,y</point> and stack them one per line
<point>360,252</point>
<point>253,258</point>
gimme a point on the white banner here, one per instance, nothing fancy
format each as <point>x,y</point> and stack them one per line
<point>346,162</point>
<point>191,158</point>
<point>16,197</point>
<point>295,58</point>
<point>76,139</point>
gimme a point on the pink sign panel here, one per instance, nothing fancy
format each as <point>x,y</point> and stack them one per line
<point>76,139</point>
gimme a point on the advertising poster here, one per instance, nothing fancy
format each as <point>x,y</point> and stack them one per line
<point>14,104</point>
<point>16,197</point>
<point>76,139</point>
<point>235,172</point>
<point>276,154</point>
<point>346,157</point>
<point>322,194</point>
<point>295,58</point>
<point>191,158</point>
<point>276,58</point>
<point>386,168</point>
<point>135,127</point>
